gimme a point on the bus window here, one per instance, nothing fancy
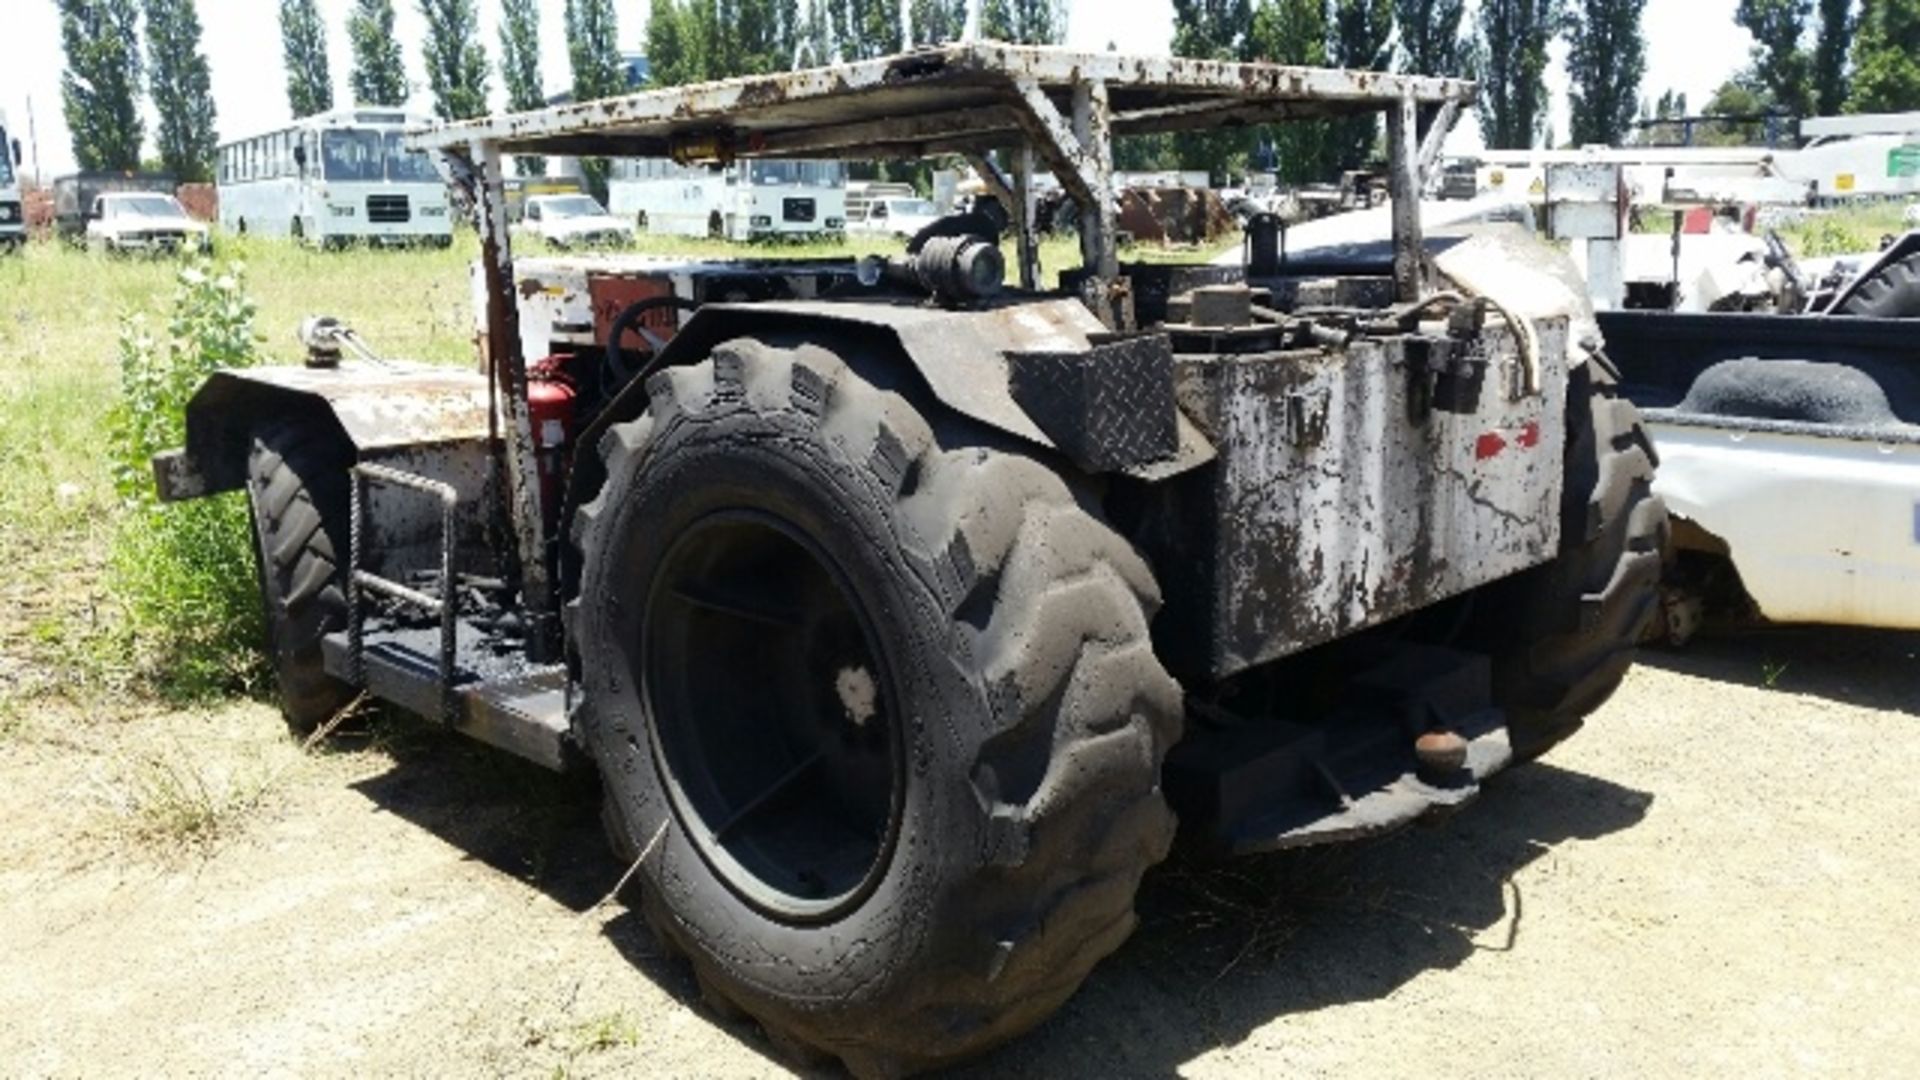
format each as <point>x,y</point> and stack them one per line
<point>407,166</point>
<point>799,173</point>
<point>352,155</point>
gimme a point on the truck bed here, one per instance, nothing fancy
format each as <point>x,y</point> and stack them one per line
<point>1812,495</point>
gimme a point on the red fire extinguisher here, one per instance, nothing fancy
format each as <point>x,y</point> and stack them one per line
<point>550,405</point>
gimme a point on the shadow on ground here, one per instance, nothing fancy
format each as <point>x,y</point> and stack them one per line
<point>1222,948</point>
<point>1871,669</point>
<point>1225,948</point>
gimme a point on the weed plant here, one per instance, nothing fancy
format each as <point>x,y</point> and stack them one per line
<point>184,571</point>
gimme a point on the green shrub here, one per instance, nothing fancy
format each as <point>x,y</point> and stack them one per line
<point>1847,231</point>
<point>185,571</point>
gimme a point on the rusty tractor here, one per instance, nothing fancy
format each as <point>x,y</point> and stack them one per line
<point>906,609</point>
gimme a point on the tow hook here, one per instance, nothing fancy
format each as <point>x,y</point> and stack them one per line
<point>1440,756</point>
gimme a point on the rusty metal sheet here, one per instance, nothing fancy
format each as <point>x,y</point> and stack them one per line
<point>1342,503</point>
<point>953,97</point>
<point>379,405</point>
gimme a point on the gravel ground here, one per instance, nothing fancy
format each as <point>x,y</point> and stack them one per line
<point>1716,878</point>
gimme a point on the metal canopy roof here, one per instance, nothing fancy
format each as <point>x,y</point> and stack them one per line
<point>954,99</point>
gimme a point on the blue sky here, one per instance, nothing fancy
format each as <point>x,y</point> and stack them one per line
<point>1693,46</point>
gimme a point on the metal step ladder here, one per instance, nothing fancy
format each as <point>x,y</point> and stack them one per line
<point>507,701</point>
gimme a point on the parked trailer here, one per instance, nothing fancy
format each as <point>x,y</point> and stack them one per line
<point>903,617</point>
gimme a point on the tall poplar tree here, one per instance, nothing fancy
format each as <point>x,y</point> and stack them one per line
<point>1362,31</point>
<point>1886,57</point>
<point>520,67</point>
<point>864,29</point>
<point>1430,39</point>
<point>181,90</point>
<point>593,55</point>
<point>1780,57</point>
<point>100,88</point>
<point>1510,61</point>
<point>1830,56</point>
<point>1295,32</point>
<point>379,72</point>
<point>304,39</point>
<point>1025,22</point>
<point>1607,59</point>
<point>674,56</point>
<point>1212,30</point>
<point>938,21</point>
<point>456,61</point>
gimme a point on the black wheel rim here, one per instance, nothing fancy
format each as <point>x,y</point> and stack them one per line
<point>773,719</point>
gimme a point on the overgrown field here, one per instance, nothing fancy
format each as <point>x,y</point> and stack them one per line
<point>85,597</point>
<point>65,627</point>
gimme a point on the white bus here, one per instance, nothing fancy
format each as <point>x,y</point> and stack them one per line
<point>748,200</point>
<point>333,179</point>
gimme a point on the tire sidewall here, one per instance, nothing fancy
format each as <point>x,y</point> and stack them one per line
<point>735,456</point>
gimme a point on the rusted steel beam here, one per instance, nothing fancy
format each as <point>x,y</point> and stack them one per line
<point>957,78</point>
<point>1212,113</point>
<point>1026,215</point>
<point>1093,128</point>
<point>1403,187</point>
<point>1017,196</point>
<point>996,183</point>
<point>509,370</point>
<point>1436,138</point>
<point>970,123</point>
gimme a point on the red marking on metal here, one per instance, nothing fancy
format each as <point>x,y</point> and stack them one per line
<point>1529,436</point>
<point>1489,446</point>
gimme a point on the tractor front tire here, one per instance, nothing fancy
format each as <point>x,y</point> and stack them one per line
<point>1564,634</point>
<point>297,488</point>
<point>877,702</point>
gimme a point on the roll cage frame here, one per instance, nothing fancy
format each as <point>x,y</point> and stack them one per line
<point>1027,105</point>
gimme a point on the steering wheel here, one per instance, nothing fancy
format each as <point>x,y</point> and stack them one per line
<point>616,373</point>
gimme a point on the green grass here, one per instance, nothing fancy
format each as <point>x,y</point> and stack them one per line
<point>1843,232</point>
<point>64,622</point>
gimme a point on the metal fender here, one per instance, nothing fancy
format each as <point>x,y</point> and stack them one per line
<point>381,409</point>
<point>968,360</point>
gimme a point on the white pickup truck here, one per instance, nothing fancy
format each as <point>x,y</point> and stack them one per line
<point>1789,460</point>
<point>572,221</point>
<point>129,221</point>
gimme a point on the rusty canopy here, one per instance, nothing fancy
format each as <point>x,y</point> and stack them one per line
<point>954,99</point>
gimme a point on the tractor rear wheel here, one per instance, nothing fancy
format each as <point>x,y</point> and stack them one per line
<point>1893,292</point>
<point>1563,635</point>
<point>877,703</point>
<point>298,490</point>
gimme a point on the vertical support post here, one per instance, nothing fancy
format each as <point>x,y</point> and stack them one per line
<point>1024,215</point>
<point>1019,203</point>
<point>509,368</point>
<point>1099,226</point>
<point>1403,186</point>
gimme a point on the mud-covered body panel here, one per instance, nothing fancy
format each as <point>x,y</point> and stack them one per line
<point>1343,498</point>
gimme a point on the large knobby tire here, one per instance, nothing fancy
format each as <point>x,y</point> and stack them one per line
<point>1563,635</point>
<point>1893,292</point>
<point>950,608</point>
<point>298,490</point>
